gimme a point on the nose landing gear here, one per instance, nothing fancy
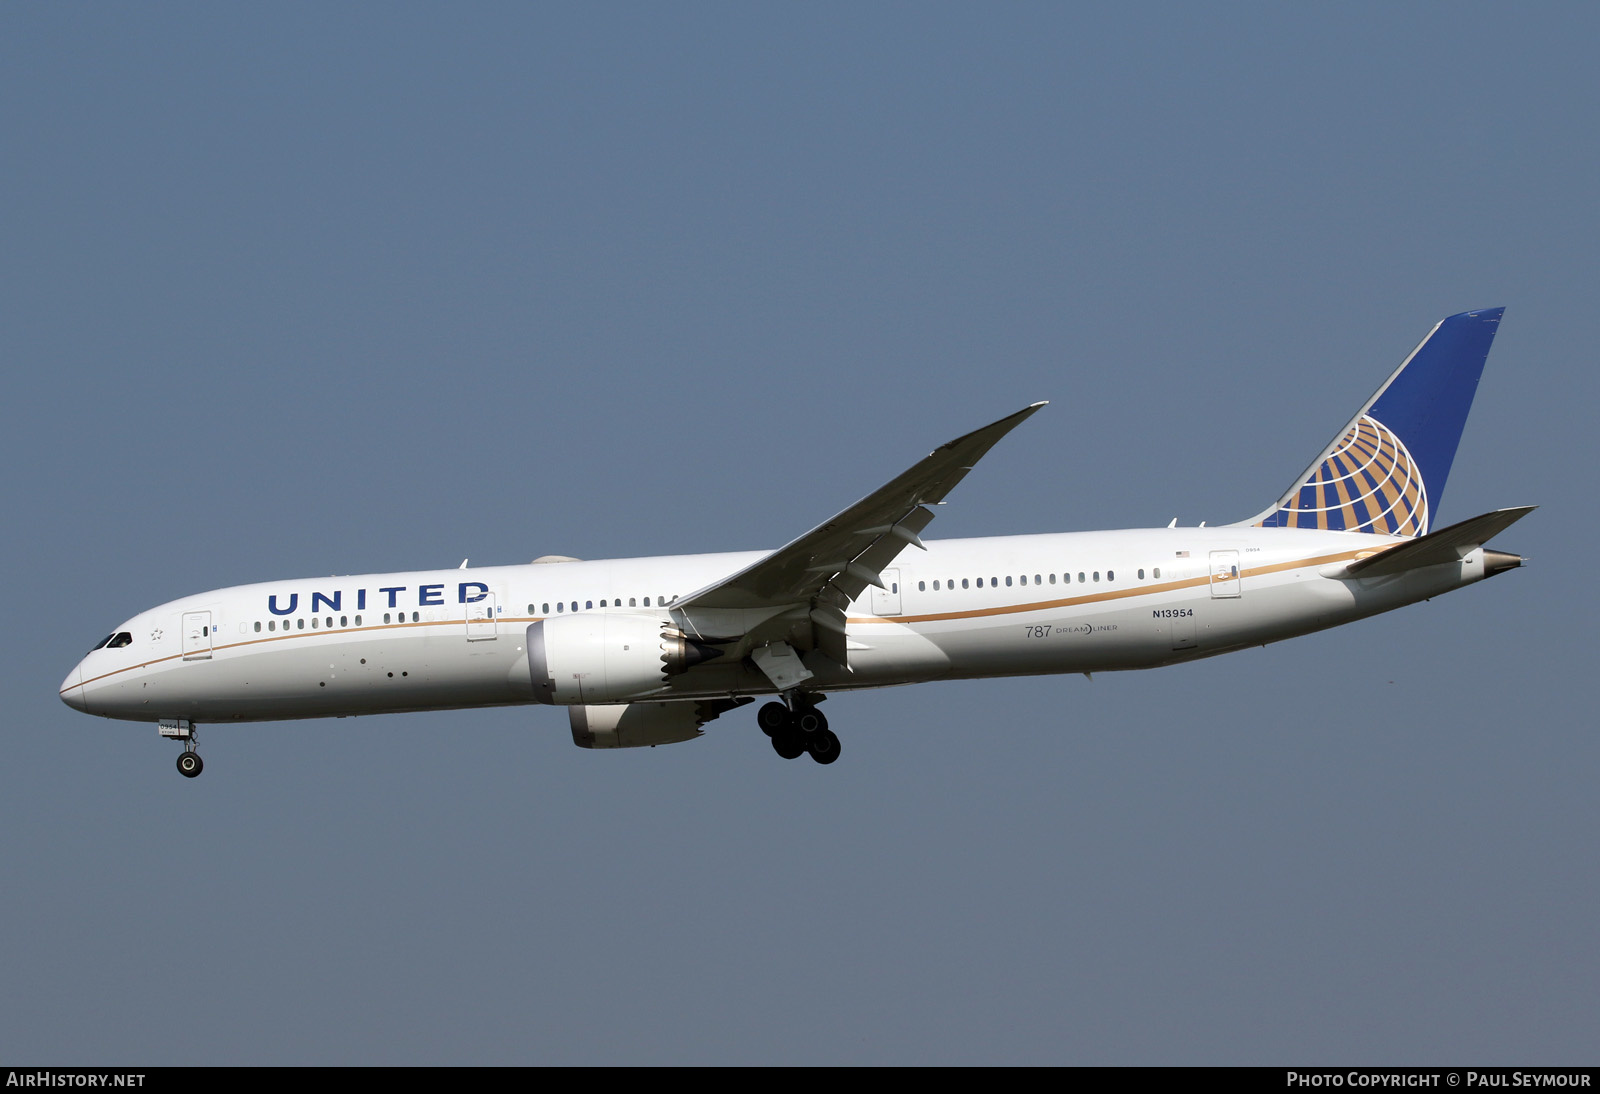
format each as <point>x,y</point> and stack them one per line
<point>181,729</point>
<point>798,727</point>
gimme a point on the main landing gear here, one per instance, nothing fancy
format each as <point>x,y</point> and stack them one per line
<point>179,729</point>
<point>798,727</point>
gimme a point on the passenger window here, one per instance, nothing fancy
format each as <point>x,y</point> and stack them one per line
<point>546,610</point>
<point>1008,581</point>
<point>588,604</point>
<point>386,617</point>
<point>1141,575</point>
<point>963,583</point>
<point>633,602</point>
<point>1111,575</point>
<point>647,601</point>
<point>1158,572</point>
<point>299,624</point>
<point>1081,577</point>
<point>258,626</point>
<point>313,622</point>
<point>922,586</point>
<point>358,621</point>
<point>344,621</point>
<point>1037,580</point>
<point>416,617</point>
<point>1052,579</point>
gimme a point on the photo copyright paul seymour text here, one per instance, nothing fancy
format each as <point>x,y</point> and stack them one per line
<point>1470,1079</point>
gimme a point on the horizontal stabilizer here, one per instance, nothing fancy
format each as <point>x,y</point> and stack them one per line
<point>1450,544</point>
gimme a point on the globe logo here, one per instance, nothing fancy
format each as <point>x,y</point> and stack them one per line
<point>1369,483</point>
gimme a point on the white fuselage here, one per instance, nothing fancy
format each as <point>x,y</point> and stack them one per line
<point>1001,606</point>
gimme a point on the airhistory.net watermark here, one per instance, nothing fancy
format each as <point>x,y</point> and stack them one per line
<point>37,1077</point>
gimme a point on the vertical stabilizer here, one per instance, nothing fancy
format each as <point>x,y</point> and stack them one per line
<point>1385,471</point>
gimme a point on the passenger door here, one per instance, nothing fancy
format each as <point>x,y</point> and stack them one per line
<point>481,620</point>
<point>1224,574</point>
<point>886,601</point>
<point>197,636</point>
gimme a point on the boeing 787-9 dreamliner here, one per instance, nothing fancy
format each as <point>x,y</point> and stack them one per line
<point>646,651</point>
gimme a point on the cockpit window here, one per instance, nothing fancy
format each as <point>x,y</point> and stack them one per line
<point>102,644</point>
<point>117,641</point>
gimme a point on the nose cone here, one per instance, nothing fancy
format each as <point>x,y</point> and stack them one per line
<point>72,690</point>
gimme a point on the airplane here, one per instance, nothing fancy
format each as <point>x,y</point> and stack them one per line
<point>647,651</point>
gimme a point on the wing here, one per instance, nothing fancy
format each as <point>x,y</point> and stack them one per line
<point>824,570</point>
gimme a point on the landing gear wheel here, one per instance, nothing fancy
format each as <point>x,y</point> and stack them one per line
<point>772,718</point>
<point>190,764</point>
<point>810,720</point>
<point>788,744</point>
<point>823,746</point>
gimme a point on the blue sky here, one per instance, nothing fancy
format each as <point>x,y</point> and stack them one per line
<point>294,290</point>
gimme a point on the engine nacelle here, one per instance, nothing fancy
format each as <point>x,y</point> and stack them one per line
<point>607,657</point>
<point>633,725</point>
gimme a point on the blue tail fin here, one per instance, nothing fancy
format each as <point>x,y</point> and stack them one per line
<point>1385,471</point>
